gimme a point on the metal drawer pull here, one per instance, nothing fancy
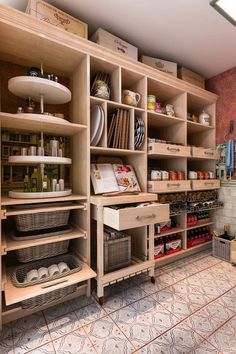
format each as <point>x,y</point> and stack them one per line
<point>173,185</point>
<point>173,149</point>
<point>208,153</point>
<point>209,183</point>
<point>146,217</point>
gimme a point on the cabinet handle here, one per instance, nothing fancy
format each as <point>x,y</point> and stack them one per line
<point>173,149</point>
<point>209,183</point>
<point>208,153</point>
<point>173,185</point>
<point>146,217</point>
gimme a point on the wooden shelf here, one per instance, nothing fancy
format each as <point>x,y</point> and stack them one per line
<point>123,199</point>
<point>39,122</point>
<point>96,150</point>
<point>193,127</point>
<point>34,87</point>
<point>40,160</point>
<point>183,253</point>
<point>115,104</point>
<point>14,295</point>
<point>200,225</point>
<point>170,232</point>
<point>12,245</point>
<point>10,201</point>
<point>162,120</point>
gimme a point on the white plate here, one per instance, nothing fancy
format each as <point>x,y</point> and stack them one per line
<point>100,128</point>
<point>95,121</point>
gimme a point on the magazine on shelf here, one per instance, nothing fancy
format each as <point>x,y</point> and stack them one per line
<point>108,178</point>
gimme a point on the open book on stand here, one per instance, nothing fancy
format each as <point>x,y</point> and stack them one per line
<point>113,178</point>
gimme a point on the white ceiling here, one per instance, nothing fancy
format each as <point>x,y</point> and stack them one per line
<point>189,32</point>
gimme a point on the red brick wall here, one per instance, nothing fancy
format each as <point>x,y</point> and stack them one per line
<point>224,85</point>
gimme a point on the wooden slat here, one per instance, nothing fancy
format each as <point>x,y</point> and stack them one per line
<point>11,201</point>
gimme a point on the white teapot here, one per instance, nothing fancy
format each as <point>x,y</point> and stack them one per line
<point>204,118</point>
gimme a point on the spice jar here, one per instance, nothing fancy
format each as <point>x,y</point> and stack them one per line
<point>200,175</point>
<point>173,175</point>
<point>180,175</point>
<point>151,102</point>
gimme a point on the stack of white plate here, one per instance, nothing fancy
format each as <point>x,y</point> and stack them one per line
<point>139,132</point>
<point>97,119</point>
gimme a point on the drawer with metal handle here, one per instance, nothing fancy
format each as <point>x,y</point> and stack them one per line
<point>168,186</point>
<point>168,149</point>
<point>205,184</point>
<point>205,153</point>
<point>130,217</point>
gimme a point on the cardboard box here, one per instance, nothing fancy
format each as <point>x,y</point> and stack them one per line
<point>50,14</point>
<point>168,67</point>
<point>191,77</point>
<point>117,44</point>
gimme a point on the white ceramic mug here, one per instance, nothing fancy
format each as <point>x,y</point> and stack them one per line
<point>131,98</point>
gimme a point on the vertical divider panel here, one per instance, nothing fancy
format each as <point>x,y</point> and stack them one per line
<point>131,129</point>
<point>115,84</point>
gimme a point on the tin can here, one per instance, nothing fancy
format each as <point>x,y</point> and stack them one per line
<point>151,102</point>
<point>180,175</point>
<point>200,175</point>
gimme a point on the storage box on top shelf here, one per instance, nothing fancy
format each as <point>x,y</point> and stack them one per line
<point>50,14</point>
<point>117,44</point>
<point>167,67</point>
<point>191,77</point>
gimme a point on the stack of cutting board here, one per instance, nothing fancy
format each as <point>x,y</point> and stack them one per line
<point>118,132</point>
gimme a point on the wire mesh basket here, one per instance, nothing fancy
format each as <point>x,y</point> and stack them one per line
<point>117,253</point>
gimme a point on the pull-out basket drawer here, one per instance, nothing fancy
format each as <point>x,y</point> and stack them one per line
<point>127,218</point>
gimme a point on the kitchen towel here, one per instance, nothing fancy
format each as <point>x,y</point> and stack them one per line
<point>229,161</point>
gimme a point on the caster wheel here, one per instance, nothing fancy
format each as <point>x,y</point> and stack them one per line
<point>153,280</point>
<point>101,300</point>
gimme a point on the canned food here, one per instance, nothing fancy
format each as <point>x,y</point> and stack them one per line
<point>206,175</point>
<point>180,175</point>
<point>200,175</point>
<point>173,175</point>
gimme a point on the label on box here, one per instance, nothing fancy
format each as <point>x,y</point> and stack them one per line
<point>159,251</point>
<point>173,246</point>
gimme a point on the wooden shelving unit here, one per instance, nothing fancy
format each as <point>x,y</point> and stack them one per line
<point>75,61</point>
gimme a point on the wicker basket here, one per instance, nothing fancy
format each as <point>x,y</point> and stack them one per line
<point>221,248</point>
<point>48,298</point>
<point>42,251</point>
<point>19,274</point>
<point>117,253</point>
<point>39,221</point>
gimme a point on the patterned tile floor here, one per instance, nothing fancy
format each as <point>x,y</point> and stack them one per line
<point>190,309</point>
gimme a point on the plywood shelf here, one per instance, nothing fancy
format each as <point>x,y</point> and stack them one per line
<point>162,120</point>
<point>40,160</point>
<point>12,245</point>
<point>114,104</point>
<point>38,122</point>
<point>10,201</point>
<point>193,127</point>
<point>200,224</point>
<point>96,150</point>
<point>170,232</point>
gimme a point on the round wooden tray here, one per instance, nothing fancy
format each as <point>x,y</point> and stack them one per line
<point>34,87</point>
<point>40,160</point>
<point>22,195</point>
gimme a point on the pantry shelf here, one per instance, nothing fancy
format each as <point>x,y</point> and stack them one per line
<point>193,127</point>
<point>10,201</point>
<point>200,224</point>
<point>96,150</point>
<point>114,104</point>
<point>162,120</point>
<point>170,232</point>
<point>40,160</point>
<point>39,195</point>
<point>12,245</point>
<point>34,87</point>
<point>38,122</point>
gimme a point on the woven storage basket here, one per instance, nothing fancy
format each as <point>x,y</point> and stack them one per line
<point>19,273</point>
<point>39,221</point>
<point>48,298</point>
<point>42,251</point>
<point>221,248</point>
<point>117,253</point>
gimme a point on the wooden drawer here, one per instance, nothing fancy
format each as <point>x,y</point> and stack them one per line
<point>168,149</point>
<point>205,153</point>
<point>169,186</point>
<point>128,218</point>
<point>205,184</point>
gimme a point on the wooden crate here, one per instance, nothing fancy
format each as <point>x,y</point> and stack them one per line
<point>191,77</point>
<point>117,44</point>
<point>50,14</point>
<point>166,66</point>
<point>205,184</point>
